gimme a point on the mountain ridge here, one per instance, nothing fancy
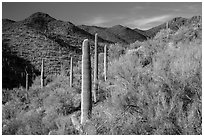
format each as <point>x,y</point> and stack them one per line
<point>41,36</point>
<point>174,24</point>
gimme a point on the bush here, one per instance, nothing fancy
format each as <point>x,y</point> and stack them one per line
<point>165,92</point>
<point>116,50</point>
<point>153,87</point>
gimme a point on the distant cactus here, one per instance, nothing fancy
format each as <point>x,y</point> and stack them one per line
<point>86,95</point>
<point>71,72</point>
<point>27,82</point>
<point>26,78</point>
<point>42,74</point>
<point>95,87</point>
<point>167,25</point>
<point>105,62</point>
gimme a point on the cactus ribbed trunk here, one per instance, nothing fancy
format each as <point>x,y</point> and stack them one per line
<point>105,62</point>
<point>42,74</point>
<point>95,87</point>
<point>86,94</point>
<point>167,27</point>
<point>26,81</point>
<point>71,72</point>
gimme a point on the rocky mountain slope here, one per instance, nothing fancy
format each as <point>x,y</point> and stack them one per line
<point>126,33</point>
<point>116,34</point>
<point>26,42</point>
<point>103,33</point>
<point>40,36</point>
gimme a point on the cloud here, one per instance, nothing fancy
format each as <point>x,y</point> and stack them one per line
<point>97,21</point>
<point>103,20</point>
<point>145,23</point>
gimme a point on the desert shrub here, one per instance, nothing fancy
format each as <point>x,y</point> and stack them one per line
<point>135,45</point>
<point>49,79</point>
<point>187,34</point>
<point>10,112</point>
<point>116,50</point>
<point>41,110</point>
<point>61,101</point>
<point>36,83</point>
<point>15,94</point>
<point>11,127</point>
<point>32,121</point>
<point>166,91</point>
<point>153,87</point>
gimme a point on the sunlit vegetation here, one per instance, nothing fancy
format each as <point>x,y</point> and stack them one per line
<point>153,88</point>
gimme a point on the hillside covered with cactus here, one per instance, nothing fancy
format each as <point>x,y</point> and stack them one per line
<point>42,36</point>
<point>138,83</point>
<point>39,36</point>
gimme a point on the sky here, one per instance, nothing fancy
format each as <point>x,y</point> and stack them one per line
<point>141,15</point>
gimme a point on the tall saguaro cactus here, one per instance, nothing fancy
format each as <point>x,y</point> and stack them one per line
<point>95,87</point>
<point>26,81</point>
<point>71,72</point>
<point>86,94</point>
<point>105,62</point>
<point>42,74</point>
<point>26,78</point>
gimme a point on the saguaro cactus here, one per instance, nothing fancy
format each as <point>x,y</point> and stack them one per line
<point>105,62</point>
<point>167,25</point>
<point>42,74</point>
<point>26,81</point>
<point>86,101</point>
<point>95,87</point>
<point>71,72</point>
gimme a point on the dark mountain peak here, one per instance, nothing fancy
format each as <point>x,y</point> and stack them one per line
<point>38,20</point>
<point>103,33</point>
<point>41,15</point>
<point>119,28</point>
<point>126,33</point>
